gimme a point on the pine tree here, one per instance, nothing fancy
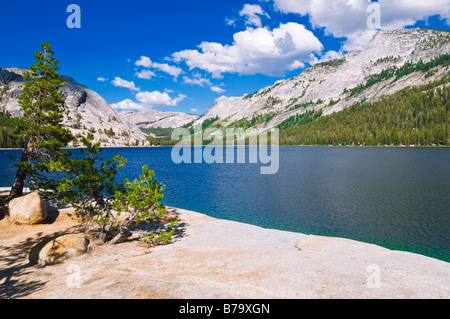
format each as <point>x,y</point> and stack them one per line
<point>40,126</point>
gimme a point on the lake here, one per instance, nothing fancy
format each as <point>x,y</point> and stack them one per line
<point>398,198</point>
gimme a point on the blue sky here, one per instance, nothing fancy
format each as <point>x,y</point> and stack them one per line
<point>177,55</point>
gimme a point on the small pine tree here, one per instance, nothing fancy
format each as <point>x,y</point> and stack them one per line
<point>40,126</point>
<point>89,185</point>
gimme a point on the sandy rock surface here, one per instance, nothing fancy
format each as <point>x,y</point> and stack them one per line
<point>213,258</point>
<point>28,209</point>
<point>61,248</point>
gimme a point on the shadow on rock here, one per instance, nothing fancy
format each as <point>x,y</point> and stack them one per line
<point>155,223</point>
<point>20,260</point>
<point>15,266</point>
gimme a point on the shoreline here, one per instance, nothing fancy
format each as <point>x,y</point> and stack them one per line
<point>350,146</point>
<point>6,190</point>
<point>220,259</point>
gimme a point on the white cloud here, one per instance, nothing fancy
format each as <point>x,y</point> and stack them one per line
<point>127,105</point>
<point>145,74</point>
<point>296,65</point>
<point>144,61</point>
<point>196,79</point>
<point>399,13</point>
<point>193,110</point>
<point>327,56</point>
<point>230,21</point>
<point>330,55</point>
<point>358,40</point>
<point>146,100</point>
<point>124,84</point>
<point>220,98</point>
<point>164,67</point>
<point>217,89</point>
<point>348,18</point>
<point>313,59</point>
<point>101,79</point>
<point>158,98</point>
<point>255,51</point>
<point>172,70</point>
<point>252,13</point>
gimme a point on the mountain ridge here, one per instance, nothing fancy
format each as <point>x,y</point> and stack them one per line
<point>391,62</point>
<point>85,110</point>
<point>150,118</point>
<point>328,86</point>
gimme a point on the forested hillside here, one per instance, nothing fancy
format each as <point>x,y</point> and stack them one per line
<point>414,115</point>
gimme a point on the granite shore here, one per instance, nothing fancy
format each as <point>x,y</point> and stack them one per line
<point>218,259</point>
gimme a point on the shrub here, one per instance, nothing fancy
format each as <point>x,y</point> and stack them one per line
<point>89,185</point>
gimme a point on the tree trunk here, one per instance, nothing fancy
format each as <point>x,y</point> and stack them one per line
<point>19,181</point>
<point>123,230</point>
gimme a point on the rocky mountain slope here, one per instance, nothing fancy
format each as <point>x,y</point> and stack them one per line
<point>148,119</point>
<point>339,83</point>
<point>392,61</point>
<point>86,111</point>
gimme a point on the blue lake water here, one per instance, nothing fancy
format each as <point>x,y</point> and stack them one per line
<point>395,197</point>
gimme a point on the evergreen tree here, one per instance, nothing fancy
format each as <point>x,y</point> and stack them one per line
<point>89,184</point>
<point>40,126</point>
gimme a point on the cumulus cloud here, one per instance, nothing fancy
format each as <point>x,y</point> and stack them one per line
<point>127,105</point>
<point>259,50</point>
<point>146,100</point>
<point>169,69</point>
<point>348,18</point>
<point>164,67</point>
<point>157,98</point>
<point>144,61</point>
<point>358,40</point>
<point>124,84</point>
<point>145,74</point>
<point>196,79</point>
<point>102,79</point>
<point>327,56</point>
<point>220,98</point>
<point>217,89</point>
<point>230,21</point>
<point>252,13</point>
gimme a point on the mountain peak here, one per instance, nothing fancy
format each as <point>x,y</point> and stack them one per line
<point>150,118</point>
<point>86,111</point>
<point>330,86</point>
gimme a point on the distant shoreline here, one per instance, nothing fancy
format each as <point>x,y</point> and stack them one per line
<point>352,146</point>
